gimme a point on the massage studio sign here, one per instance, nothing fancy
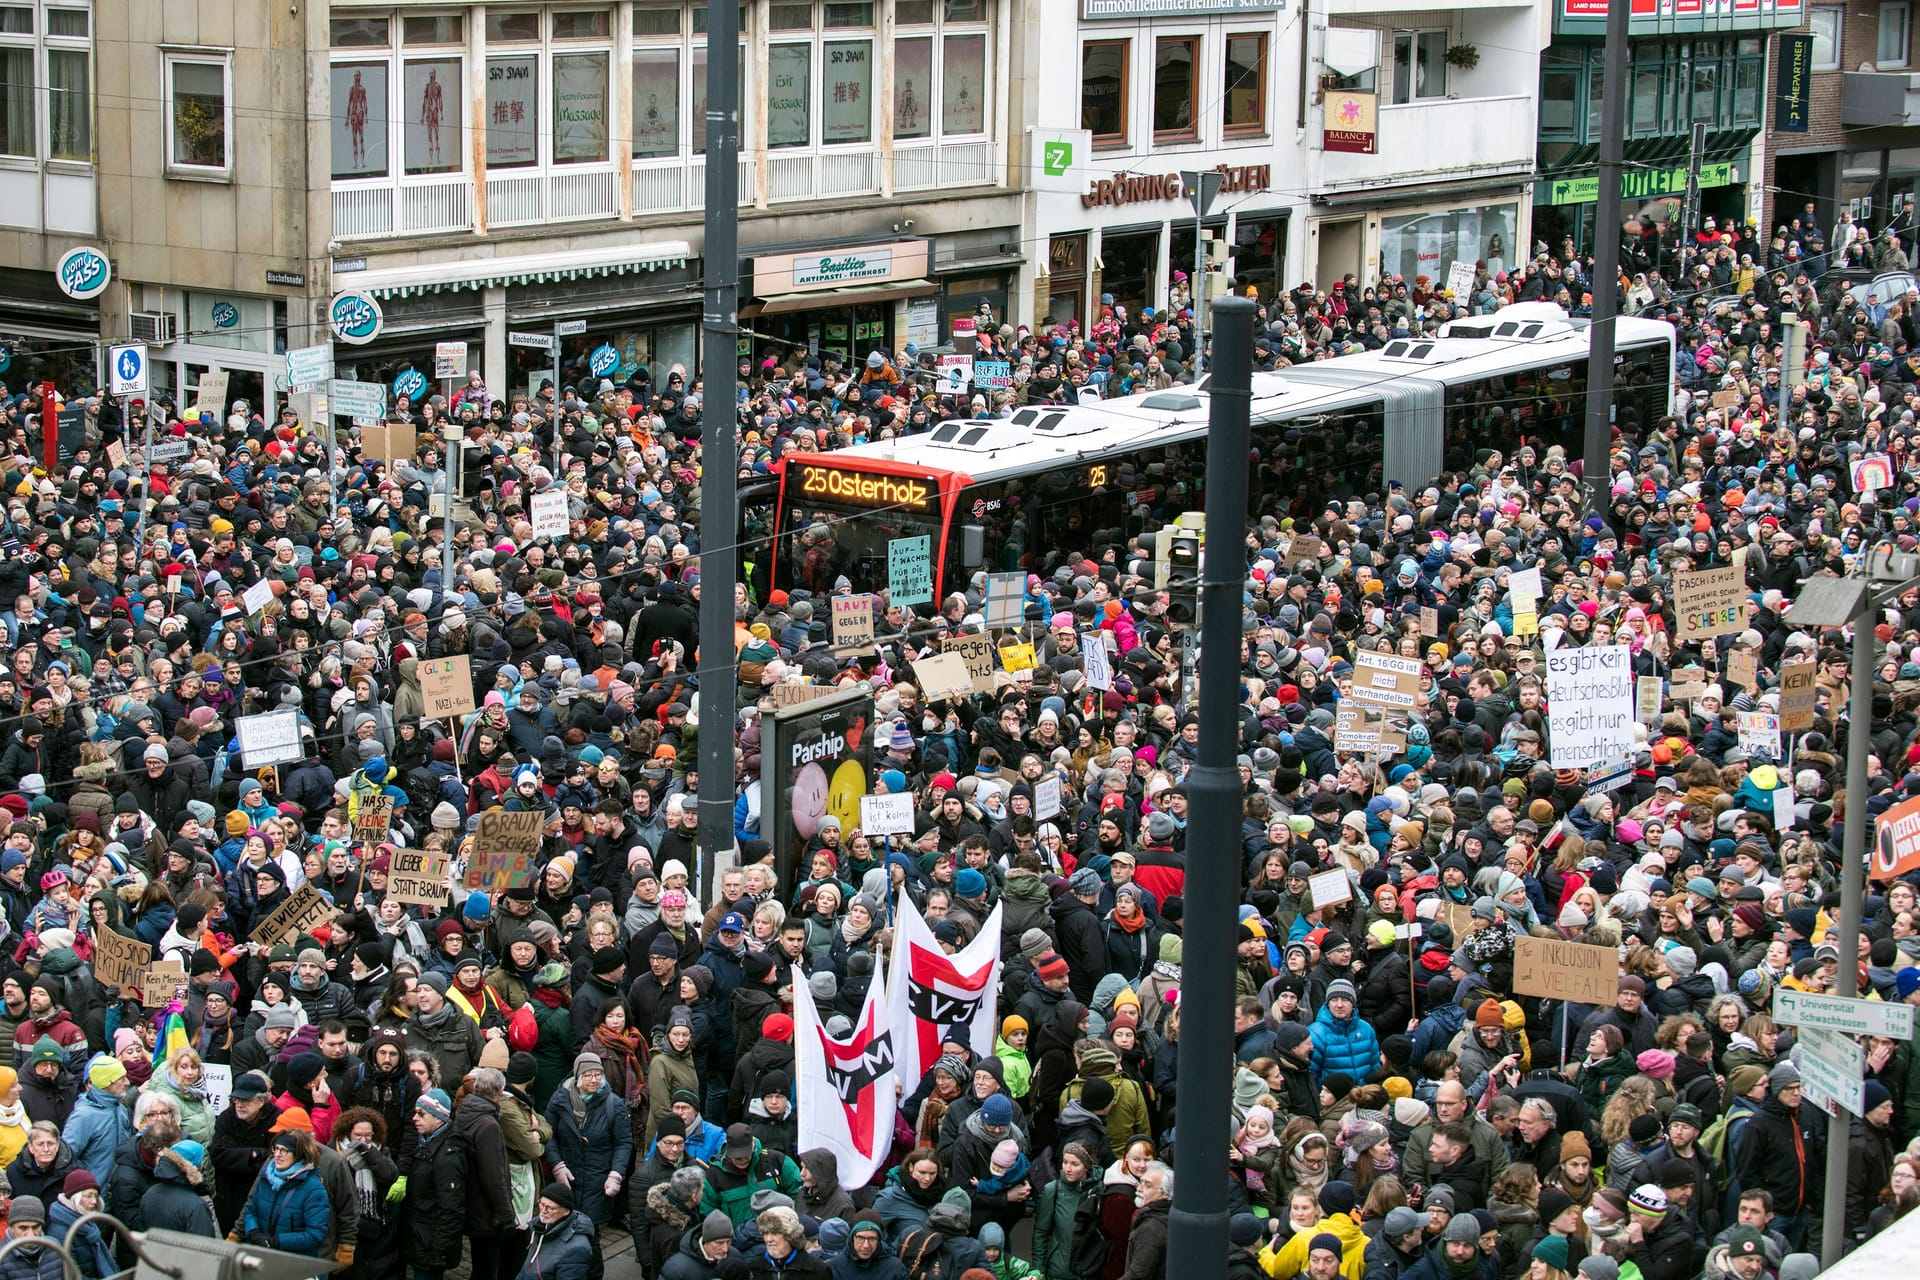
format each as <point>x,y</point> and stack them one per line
<point>837,268</point>
<point>1145,188</point>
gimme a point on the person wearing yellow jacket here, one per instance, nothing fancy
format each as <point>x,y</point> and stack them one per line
<point>1337,1201</point>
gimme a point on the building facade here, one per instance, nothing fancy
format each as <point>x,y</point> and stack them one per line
<point>1361,137</point>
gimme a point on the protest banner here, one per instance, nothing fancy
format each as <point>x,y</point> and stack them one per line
<point>1590,705</point>
<point>1799,696</point>
<point>272,737</point>
<point>852,622</point>
<point>1572,971</point>
<point>303,911</point>
<point>217,1079</point>
<point>1646,693</point>
<point>1743,668</point>
<point>1096,661</point>
<point>446,685</point>
<point>1386,679</point>
<point>1046,798</point>
<point>1006,599</point>
<point>372,818</point>
<point>418,877</point>
<point>846,1085</point>
<point>549,514</point>
<point>504,847</point>
<point>1710,602</point>
<point>119,961</point>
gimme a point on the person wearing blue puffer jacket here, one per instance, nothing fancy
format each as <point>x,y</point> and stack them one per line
<point>562,1247</point>
<point>100,1121</point>
<point>1341,1041</point>
<point>289,1209</point>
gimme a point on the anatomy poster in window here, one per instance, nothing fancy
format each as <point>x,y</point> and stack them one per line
<point>430,126</point>
<point>360,121</point>
<point>656,102</point>
<point>963,86</point>
<point>513,111</point>
<point>912,88</point>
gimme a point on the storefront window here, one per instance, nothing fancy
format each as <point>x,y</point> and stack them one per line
<point>432,119</point>
<point>1427,244</point>
<point>1103,91</point>
<point>360,120</point>
<point>1131,260</point>
<point>1260,254</point>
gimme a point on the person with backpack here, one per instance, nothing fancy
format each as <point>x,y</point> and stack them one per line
<point>1066,1218</point>
<point>1746,1090</point>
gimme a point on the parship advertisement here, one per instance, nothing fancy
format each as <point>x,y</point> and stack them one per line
<point>818,764</point>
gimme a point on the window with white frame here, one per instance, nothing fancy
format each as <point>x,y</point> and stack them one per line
<point>46,81</point>
<point>399,94</point>
<point>1419,65</point>
<point>670,80</point>
<point>1896,21</point>
<point>200,113</point>
<point>821,75</point>
<point>1826,22</point>
<point>939,69</point>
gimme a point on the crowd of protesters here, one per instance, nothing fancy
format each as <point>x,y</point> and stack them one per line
<point>491,1082</point>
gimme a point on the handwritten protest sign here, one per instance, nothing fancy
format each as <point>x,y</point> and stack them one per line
<point>1330,888</point>
<point>1574,971</point>
<point>446,685</point>
<point>789,693</point>
<point>977,652</point>
<point>1386,679</point>
<point>119,961</point>
<point>372,818</point>
<point>1017,657</point>
<point>418,877</point>
<point>1743,668</point>
<point>1710,602</point>
<point>1590,705</point>
<point>504,847</point>
<point>910,571</point>
<point>852,622</point>
<point>1759,731</point>
<point>161,983</point>
<point>943,675</point>
<point>302,912</point>
<point>1798,696</point>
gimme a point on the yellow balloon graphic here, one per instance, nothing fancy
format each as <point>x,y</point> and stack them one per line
<point>843,797</point>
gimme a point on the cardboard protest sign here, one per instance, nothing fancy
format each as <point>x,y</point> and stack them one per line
<point>302,912</point>
<point>1574,971</point>
<point>943,675</point>
<point>1386,679</point>
<point>1646,693</point>
<point>1710,602</point>
<point>977,652</point>
<point>1799,697</point>
<point>163,982</point>
<point>1006,599</point>
<point>418,877</point>
<point>1759,731</point>
<point>852,622</point>
<point>789,694</point>
<point>446,685</point>
<point>1360,727</point>
<point>119,961</point>
<point>504,847</point>
<point>372,818</point>
<point>1429,620</point>
<point>1743,668</point>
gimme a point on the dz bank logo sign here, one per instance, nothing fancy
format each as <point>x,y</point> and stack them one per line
<point>1056,159</point>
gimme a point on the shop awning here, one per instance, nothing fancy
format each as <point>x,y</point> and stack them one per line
<point>816,299</point>
<point>533,268</point>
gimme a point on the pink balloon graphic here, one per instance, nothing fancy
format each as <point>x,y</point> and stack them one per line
<point>809,800</point>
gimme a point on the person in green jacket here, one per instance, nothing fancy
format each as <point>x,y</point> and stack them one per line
<point>1057,1206</point>
<point>743,1168</point>
<point>1128,1119</point>
<point>1606,1065</point>
<point>1010,1046</point>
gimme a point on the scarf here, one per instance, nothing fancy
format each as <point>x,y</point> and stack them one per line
<point>850,935</point>
<point>371,1201</point>
<point>926,1198</point>
<point>580,1100</point>
<point>1134,925</point>
<point>552,997</point>
<point>1305,1175</point>
<point>15,1116</point>
<point>211,1030</point>
<point>627,1046</point>
<point>278,1178</point>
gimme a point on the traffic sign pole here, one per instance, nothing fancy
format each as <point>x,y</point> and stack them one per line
<point>146,485</point>
<point>556,402</point>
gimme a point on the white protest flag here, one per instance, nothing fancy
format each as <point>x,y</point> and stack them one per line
<point>847,1095</point>
<point>933,990</point>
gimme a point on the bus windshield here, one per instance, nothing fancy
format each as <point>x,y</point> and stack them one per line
<point>842,528</point>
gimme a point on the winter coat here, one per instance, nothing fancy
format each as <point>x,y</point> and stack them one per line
<point>88,1246</point>
<point>196,1118</point>
<point>799,1265</point>
<point>690,1263</point>
<point>173,1203</point>
<point>1347,1045</point>
<point>238,1151</point>
<point>95,1130</point>
<point>731,1189</point>
<point>437,1203</point>
<point>563,1251</point>
<point>476,1126</point>
<point>26,1176</point>
<point>1055,1208</point>
<point>593,1145</point>
<point>1782,1151</point>
<point>32,1262</point>
<point>295,1215</point>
